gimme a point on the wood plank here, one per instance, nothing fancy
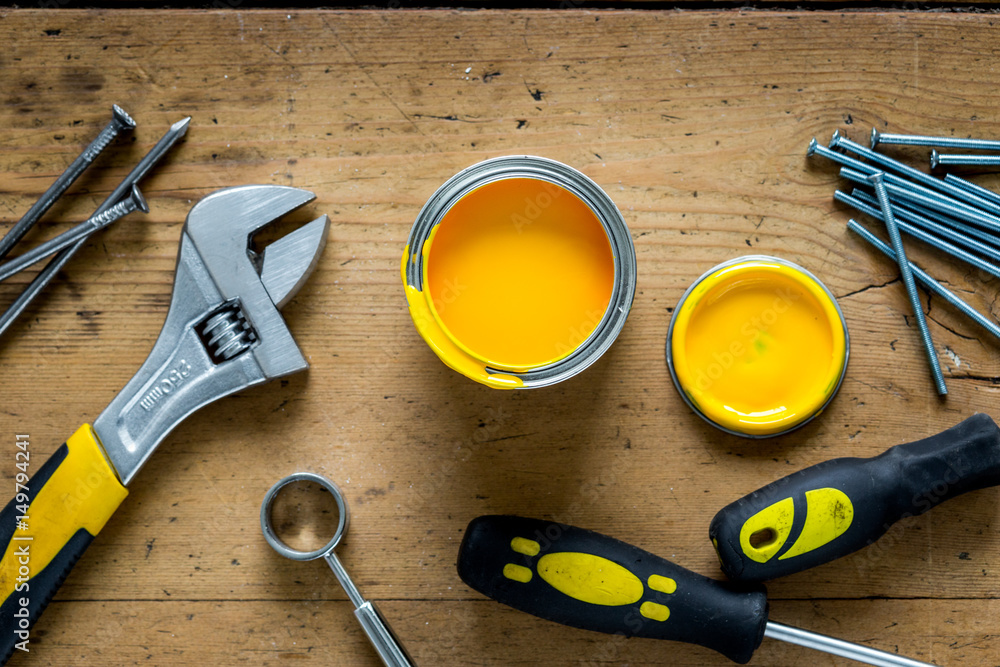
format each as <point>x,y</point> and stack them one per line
<point>476,632</point>
<point>695,123</point>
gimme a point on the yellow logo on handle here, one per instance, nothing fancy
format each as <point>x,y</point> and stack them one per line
<point>829,513</point>
<point>590,578</point>
<point>763,534</point>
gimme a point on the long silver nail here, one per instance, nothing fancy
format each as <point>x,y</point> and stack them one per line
<point>135,202</point>
<point>940,142</point>
<point>840,141</point>
<point>927,281</point>
<point>975,189</point>
<point>119,121</point>
<point>911,289</point>
<point>901,189</point>
<point>945,159</point>
<point>176,131</point>
<point>902,216</point>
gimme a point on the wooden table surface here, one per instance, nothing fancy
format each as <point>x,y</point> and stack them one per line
<point>696,124</point>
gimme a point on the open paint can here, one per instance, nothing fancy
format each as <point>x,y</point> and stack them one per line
<point>757,346</point>
<point>519,272</point>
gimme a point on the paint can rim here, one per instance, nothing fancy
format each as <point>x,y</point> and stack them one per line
<point>586,190</point>
<point>832,301</point>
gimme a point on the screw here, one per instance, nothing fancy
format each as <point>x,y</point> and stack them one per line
<point>941,142</point>
<point>911,192</point>
<point>863,202</point>
<point>839,141</point>
<point>134,202</point>
<point>967,230</point>
<point>877,180</point>
<point>926,279</point>
<point>155,154</point>
<point>816,148</point>
<point>957,158</point>
<point>119,121</point>
<point>959,182</point>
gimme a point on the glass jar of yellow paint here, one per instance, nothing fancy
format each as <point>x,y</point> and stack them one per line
<point>757,346</point>
<point>519,272</point>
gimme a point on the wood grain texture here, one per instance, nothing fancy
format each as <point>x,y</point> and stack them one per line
<point>695,123</point>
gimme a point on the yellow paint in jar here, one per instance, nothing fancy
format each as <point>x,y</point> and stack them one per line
<point>519,272</point>
<point>758,346</point>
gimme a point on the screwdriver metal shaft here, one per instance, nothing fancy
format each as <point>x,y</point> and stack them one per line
<point>839,647</point>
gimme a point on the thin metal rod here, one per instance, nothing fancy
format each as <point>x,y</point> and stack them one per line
<point>840,141</point>
<point>176,131</point>
<point>911,192</point>
<point>928,281</point>
<point>344,579</point>
<point>960,182</point>
<point>839,647</point>
<point>941,142</point>
<point>865,203</point>
<point>816,148</point>
<point>71,236</point>
<point>119,121</point>
<point>970,231</point>
<point>911,288</point>
<point>945,159</point>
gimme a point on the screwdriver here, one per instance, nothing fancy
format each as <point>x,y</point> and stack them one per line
<point>587,580</point>
<point>837,507</point>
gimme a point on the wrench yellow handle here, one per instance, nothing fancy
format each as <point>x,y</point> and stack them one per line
<point>47,526</point>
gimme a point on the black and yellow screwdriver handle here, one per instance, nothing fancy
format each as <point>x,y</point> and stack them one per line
<point>587,580</point>
<point>834,508</point>
<point>45,528</point>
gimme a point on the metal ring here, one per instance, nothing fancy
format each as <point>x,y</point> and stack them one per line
<point>272,537</point>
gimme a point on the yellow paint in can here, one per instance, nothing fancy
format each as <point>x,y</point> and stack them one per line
<point>758,346</point>
<point>516,280</point>
<point>519,273</point>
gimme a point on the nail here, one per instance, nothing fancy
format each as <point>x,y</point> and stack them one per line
<point>134,202</point>
<point>940,142</point>
<point>119,121</point>
<point>840,141</point>
<point>927,281</point>
<point>156,153</point>
<point>939,159</point>
<point>877,180</point>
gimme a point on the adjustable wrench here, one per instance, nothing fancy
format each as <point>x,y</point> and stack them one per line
<point>223,333</point>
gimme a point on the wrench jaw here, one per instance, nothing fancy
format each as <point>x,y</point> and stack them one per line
<point>220,226</point>
<point>218,337</point>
